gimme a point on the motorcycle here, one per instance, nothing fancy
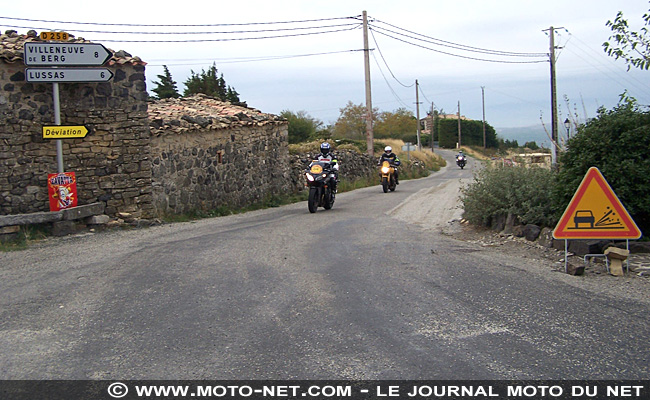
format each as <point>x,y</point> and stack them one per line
<point>387,174</point>
<point>461,161</point>
<point>320,176</point>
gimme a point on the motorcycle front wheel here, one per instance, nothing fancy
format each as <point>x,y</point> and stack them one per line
<point>328,201</point>
<point>312,202</point>
<point>384,184</point>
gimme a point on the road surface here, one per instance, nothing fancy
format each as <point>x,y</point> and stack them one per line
<point>368,290</point>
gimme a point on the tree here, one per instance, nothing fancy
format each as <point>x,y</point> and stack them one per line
<point>471,133</point>
<point>399,124</point>
<point>210,84</point>
<point>302,127</point>
<point>166,87</point>
<point>531,145</point>
<point>631,46</point>
<point>617,141</point>
<point>352,122</point>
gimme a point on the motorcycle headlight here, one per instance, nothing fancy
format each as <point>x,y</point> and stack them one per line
<point>310,177</point>
<point>385,170</point>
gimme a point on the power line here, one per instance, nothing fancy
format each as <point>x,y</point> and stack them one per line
<point>424,95</point>
<point>196,33</point>
<point>251,59</point>
<point>388,84</point>
<point>175,25</point>
<point>600,58</point>
<point>457,46</point>
<point>461,56</point>
<point>356,26</point>
<point>382,57</point>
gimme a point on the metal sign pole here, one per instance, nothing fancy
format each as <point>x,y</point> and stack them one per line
<point>566,256</point>
<point>57,121</point>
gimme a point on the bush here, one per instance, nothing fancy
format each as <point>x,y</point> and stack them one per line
<point>523,192</point>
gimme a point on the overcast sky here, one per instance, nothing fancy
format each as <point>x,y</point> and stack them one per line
<point>516,95</point>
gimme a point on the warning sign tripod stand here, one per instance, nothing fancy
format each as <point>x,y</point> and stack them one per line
<point>595,212</point>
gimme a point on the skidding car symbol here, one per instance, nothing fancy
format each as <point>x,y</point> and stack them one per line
<point>584,217</point>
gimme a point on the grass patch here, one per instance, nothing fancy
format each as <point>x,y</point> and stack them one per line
<point>22,239</point>
<point>224,210</point>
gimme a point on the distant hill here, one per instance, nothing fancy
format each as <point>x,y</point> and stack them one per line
<point>525,134</point>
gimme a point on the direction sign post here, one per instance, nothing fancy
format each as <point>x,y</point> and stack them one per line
<point>68,74</point>
<point>64,54</point>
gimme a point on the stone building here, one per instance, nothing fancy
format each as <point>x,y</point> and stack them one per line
<point>206,153</point>
<point>112,163</point>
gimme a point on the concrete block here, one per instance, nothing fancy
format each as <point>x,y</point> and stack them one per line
<point>84,211</point>
<point>33,218</point>
<point>98,220</point>
<point>62,228</point>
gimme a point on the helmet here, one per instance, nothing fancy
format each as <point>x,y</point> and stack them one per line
<point>388,149</point>
<point>325,148</point>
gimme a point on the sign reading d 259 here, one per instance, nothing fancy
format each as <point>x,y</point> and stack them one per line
<point>65,54</point>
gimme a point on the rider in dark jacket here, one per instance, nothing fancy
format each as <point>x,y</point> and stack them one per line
<point>393,159</point>
<point>327,155</point>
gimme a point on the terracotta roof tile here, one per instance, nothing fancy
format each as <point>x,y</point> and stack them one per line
<point>201,112</point>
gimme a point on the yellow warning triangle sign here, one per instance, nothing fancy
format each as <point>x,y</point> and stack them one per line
<point>595,212</point>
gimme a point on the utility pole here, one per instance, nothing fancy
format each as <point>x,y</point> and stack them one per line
<point>431,127</point>
<point>366,57</point>
<point>483,98</point>
<point>554,138</point>
<point>459,141</point>
<point>417,113</point>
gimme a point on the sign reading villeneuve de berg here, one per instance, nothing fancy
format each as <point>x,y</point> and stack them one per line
<point>68,74</point>
<point>65,54</point>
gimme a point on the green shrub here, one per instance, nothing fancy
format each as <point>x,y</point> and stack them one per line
<point>498,190</point>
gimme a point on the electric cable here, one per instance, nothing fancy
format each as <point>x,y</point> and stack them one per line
<point>221,39</point>
<point>456,45</point>
<point>176,25</point>
<point>611,65</point>
<point>382,57</point>
<point>249,59</point>
<point>194,33</point>
<point>462,56</point>
<point>388,84</point>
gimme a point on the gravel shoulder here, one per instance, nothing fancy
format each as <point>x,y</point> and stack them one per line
<point>438,209</point>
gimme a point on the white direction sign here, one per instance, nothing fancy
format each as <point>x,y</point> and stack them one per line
<point>68,74</point>
<point>65,54</point>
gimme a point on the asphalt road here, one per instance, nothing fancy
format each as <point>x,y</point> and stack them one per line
<point>368,290</point>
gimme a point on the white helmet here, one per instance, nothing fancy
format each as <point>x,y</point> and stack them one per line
<point>388,149</point>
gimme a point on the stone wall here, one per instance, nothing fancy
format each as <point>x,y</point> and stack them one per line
<point>207,154</point>
<point>111,163</point>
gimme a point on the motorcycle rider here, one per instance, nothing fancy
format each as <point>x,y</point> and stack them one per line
<point>326,155</point>
<point>391,158</point>
<point>460,154</point>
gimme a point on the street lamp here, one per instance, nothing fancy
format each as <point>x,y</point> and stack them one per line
<point>567,124</point>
